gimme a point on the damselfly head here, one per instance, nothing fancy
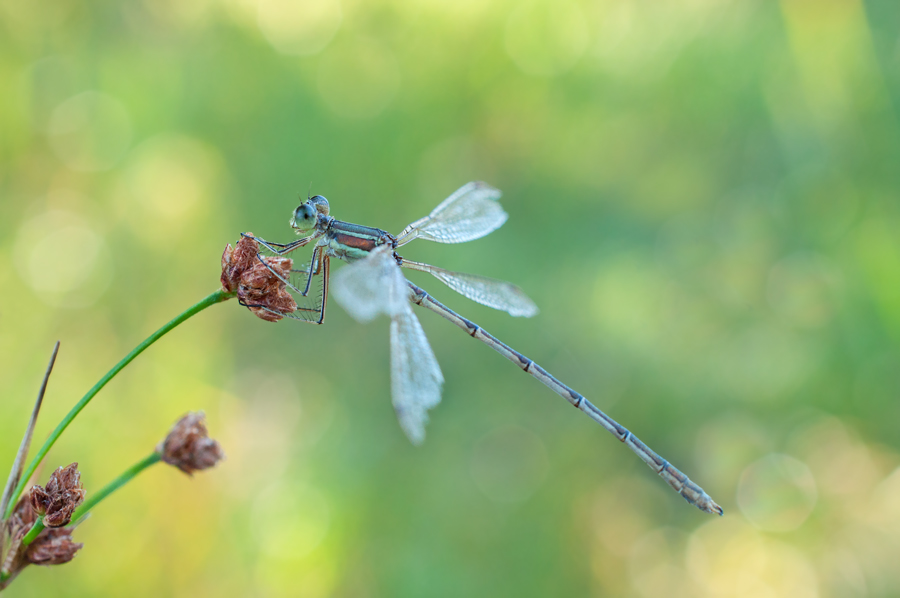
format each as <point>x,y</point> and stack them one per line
<point>304,218</point>
<point>320,203</point>
<point>307,215</point>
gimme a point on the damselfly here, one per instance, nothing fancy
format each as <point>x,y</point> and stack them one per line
<point>374,284</point>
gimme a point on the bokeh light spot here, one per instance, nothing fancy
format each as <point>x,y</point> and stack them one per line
<point>763,363</point>
<point>358,79</point>
<point>299,27</point>
<point>777,493</point>
<point>878,380</point>
<point>725,445</point>
<point>263,423</point>
<point>842,465</point>
<point>52,80</point>
<point>655,566</point>
<point>730,558</point>
<point>290,520</point>
<point>627,300</point>
<point>170,174</point>
<point>545,39</point>
<point>800,290</point>
<point>170,181</point>
<point>90,131</point>
<point>178,13</point>
<point>509,464</point>
<point>64,261</point>
<point>887,502</point>
<point>449,161</point>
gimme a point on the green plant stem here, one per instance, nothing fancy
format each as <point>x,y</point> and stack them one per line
<point>217,297</point>
<point>36,529</point>
<point>114,485</point>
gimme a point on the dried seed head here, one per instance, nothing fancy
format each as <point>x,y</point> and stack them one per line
<point>20,521</point>
<point>237,261</point>
<point>226,278</point>
<point>18,524</point>
<point>258,286</point>
<point>22,517</point>
<point>59,499</point>
<point>188,446</point>
<point>264,292</point>
<point>53,546</point>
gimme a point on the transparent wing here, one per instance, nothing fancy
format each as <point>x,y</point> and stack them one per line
<point>371,286</point>
<point>470,213</point>
<point>415,375</point>
<point>493,293</point>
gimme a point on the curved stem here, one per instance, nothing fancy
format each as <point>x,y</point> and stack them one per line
<point>36,529</point>
<point>217,297</point>
<point>114,485</point>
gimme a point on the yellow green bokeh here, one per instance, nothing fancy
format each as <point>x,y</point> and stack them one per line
<point>703,200</point>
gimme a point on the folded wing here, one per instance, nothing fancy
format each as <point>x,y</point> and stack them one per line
<point>374,286</point>
<point>415,375</point>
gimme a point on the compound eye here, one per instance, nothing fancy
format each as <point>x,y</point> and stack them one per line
<point>304,217</point>
<point>320,203</point>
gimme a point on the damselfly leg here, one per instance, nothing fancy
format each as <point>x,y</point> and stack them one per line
<point>281,248</point>
<point>308,283</point>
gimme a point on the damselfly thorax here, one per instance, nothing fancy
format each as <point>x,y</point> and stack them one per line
<point>352,242</point>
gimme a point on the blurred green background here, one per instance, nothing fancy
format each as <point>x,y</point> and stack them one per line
<point>703,201</point>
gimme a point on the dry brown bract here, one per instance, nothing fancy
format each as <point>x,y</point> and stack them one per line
<point>53,546</point>
<point>257,286</point>
<point>58,500</point>
<point>188,445</point>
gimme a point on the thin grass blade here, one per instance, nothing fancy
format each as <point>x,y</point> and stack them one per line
<point>19,461</point>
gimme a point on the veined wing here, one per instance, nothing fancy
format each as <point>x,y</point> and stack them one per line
<point>415,375</point>
<point>497,294</point>
<point>470,213</point>
<point>373,286</point>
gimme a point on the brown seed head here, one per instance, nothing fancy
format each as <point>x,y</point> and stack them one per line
<point>59,499</point>
<point>237,261</point>
<point>18,524</point>
<point>257,286</point>
<point>188,445</point>
<point>21,519</point>
<point>53,546</point>
<point>226,277</point>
